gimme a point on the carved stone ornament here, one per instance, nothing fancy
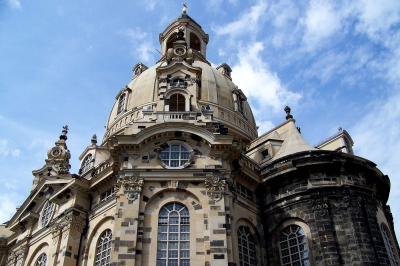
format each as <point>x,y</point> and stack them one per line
<point>215,187</point>
<point>132,183</point>
<point>319,206</point>
<point>71,224</point>
<point>17,256</point>
<point>215,183</point>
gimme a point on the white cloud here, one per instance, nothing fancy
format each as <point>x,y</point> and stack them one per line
<point>376,138</point>
<point>8,206</point>
<point>253,76</point>
<point>14,4</point>
<point>283,13</point>
<point>142,45</point>
<point>377,17</point>
<point>321,22</point>
<point>248,22</point>
<point>5,149</point>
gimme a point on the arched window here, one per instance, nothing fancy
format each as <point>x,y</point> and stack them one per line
<point>41,260</point>
<point>86,163</point>
<point>47,213</point>
<point>171,40</point>
<point>247,254</point>
<point>293,246</point>
<point>103,250</point>
<point>240,104</point>
<point>177,102</point>
<point>121,103</point>
<point>195,42</point>
<point>173,246</point>
<point>389,246</point>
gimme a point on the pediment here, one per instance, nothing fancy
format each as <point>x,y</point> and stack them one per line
<point>47,189</point>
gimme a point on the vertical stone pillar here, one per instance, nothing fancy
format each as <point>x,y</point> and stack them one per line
<point>326,232</point>
<point>218,249</point>
<point>67,235</point>
<point>128,191</point>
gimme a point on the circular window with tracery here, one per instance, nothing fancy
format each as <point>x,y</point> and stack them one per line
<point>47,213</point>
<point>176,155</point>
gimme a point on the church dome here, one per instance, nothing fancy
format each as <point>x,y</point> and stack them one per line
<point>181,87</point>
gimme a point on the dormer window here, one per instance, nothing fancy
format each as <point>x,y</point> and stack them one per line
<point>138,69</point>
<point>121,103</point>
<point>239,98</point>
<point>86,164</point>
<point>240,105</point>
<point>226,71</point>
<point>265,154</point>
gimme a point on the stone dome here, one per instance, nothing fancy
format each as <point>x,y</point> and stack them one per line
<point>181,86</point>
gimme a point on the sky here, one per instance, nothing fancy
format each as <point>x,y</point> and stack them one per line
<point>335,63</point>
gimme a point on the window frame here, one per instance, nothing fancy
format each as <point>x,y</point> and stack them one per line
<point>86,163</point>
<point>289,246</point>
<point>186,146</point>
<point>109,193</point>
<point>40,262</point>
<point>246,245</point>
<point>121,103</point>
<point>171,225</point>
<point>106,235</point>
<point>389,244</point>
<point>47,213</point>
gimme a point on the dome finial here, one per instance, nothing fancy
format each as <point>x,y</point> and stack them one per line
<point>94,139</point>
<point>64,133</point>
<point>288,115</point>
<point>184,8</point>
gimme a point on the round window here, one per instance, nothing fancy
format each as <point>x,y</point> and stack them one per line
<point>175,155</point>
<point>47,213</point>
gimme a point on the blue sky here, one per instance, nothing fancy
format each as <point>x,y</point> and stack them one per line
<point>335,63</point>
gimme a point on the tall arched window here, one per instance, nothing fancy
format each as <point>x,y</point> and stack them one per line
<point>41,260</point>
<point>293,246</point>
<point>121,103</point>
<point>173,247</point>
<point>389,246</point>
<point>177,102</point>
<point>103,250</point>
<point>247,254</point>
<point>86,163</point>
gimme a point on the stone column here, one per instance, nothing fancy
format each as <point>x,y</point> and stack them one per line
<point>128,191</point>
<point>218,249</point>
